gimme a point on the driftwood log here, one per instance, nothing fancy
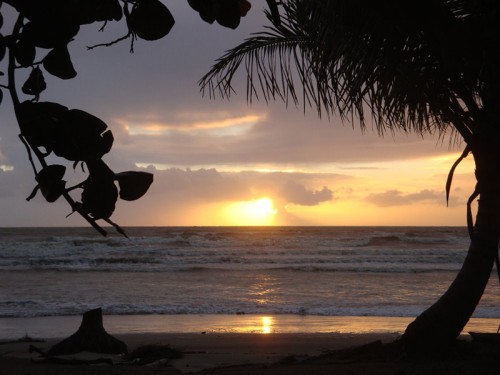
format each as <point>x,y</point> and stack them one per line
<point>90,337</point>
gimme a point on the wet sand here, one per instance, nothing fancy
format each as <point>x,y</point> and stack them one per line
<point>246,353</point>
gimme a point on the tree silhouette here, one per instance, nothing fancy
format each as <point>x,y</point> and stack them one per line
<point>38,43</point>
<point>427,66</point>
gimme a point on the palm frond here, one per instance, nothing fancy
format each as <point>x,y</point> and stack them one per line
<point>276,62</point>
<point>412,65</point>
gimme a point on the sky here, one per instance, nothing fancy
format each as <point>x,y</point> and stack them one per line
<point>227,162</point>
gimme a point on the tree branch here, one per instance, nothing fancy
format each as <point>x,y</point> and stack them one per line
<point>109,44</point>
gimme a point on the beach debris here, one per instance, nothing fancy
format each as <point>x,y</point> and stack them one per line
<point>46,358</point>
<point>372,351</point>
<point>152,355</point>
<point>90,337</point>
<point>25,338</point>
<point>491,338</point>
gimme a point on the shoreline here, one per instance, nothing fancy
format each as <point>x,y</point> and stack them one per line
<point>63,326</point>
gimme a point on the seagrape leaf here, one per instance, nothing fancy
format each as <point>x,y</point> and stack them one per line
<point>40,123</point>
<point>25,52</point>
<point>196,4</point>
<point>90,11</point>
<point>82,137</point>
<point>51,173</point>
<point>150,20</point>
<point>99,170</point>
<point>204,8</point>
<point>30,9</point>
<point>229,12</point>
<point>58,63</point>
<point>226,12</point>
<point>35,83</point>
<point>229,15</point>
<point>49,32</point>
<point>99,194</point>
<point>133,184</point>
<point>245,7</point>
<point>50,180</point>
<point>99,199</point>
<point>3,47</point>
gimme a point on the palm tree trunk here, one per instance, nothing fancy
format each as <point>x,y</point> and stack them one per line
<point>441,323</point>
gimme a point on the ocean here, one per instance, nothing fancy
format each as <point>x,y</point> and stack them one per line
<point>167,271</point>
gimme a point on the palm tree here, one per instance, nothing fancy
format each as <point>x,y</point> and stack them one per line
<point>426,66</point>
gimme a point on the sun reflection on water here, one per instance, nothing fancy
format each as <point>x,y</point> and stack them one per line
<point>267,324</point>
<point>254,324</point>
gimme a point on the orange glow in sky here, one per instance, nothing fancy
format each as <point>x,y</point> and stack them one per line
<point>399,192</point>
<point>255,212</point>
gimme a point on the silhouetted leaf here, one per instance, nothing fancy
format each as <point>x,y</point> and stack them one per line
<point>3,47</point>
<point>150,20</point>
<point>111,10</point>
<point>30,9</point>
<point>99,170</point>
<point>197,4</point>
<point>50,180</point>
<point>83,137</point>
<point>58,63</point>
<point>99,10</point>
<point>49,32</point>
<point>25,52</point>
<point>99,199</point>
<point>133,184</point>
<point>204,8</point>
<point>229,15</point>
<point>40,123</point>
<point>99,191</point>
<point>226,12</point>
<point>51,173</point>
<point>35,83</point>
<point>1,96</point>
<point>245,7</point>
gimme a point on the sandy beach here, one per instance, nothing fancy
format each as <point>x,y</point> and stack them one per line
<point>247,353</point>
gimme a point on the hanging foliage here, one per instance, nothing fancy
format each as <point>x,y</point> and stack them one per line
<point>40,43</point>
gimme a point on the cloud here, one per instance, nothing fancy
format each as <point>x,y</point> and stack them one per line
<point>296,193</point>
<point>15,184</point>
<point>256,137</point>
<point>397,198</point>
<point>360,168</point>
<point>187,196</point>
<point>211,185</point>
<point>199,123</point>
<point>206,185</point>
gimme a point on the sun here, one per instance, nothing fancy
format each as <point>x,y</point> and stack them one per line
<point>255,212</point>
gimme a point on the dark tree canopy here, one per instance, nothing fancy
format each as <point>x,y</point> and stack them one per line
<point>38,44</point>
